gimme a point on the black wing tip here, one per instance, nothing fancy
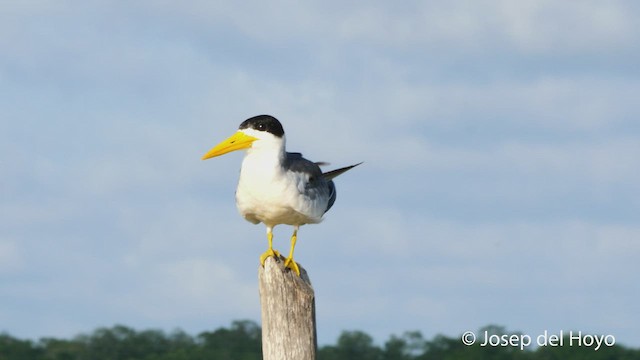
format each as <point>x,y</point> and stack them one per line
<point>346,168</point>
<point>334,173</point>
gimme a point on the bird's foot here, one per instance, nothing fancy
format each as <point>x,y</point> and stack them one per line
<point>289,263</point>
<point>269,253</point>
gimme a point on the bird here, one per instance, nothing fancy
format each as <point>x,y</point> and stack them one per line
<point>275,186</point>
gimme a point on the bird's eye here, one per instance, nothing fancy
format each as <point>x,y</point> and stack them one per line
<point>261,126</point>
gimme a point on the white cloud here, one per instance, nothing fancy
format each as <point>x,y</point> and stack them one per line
<point>10,257</point>
<point>191,288</point>
<point>546,26</point>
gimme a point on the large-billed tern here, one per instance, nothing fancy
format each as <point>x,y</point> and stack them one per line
<point>276,186</point>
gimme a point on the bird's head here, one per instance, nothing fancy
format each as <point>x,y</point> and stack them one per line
<point>258,131</point>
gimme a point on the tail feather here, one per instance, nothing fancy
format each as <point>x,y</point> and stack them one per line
<point>329,175</point>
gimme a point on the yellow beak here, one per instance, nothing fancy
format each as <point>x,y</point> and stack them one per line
<point>237,141</point>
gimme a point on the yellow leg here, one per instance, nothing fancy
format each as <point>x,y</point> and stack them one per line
<point>270,251</point>
<point>288,262</point>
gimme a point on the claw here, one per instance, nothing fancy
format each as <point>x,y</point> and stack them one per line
<point>268,253</point>
<point>289,263</point>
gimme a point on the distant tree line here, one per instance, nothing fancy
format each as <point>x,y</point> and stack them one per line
<point>242,341</point>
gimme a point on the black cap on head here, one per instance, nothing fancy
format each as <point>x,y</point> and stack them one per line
<point>264,123</point>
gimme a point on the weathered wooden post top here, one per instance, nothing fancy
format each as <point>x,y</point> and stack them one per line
<point>288,309</point>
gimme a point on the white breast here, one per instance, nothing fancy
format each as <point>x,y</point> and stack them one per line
<point>267,193</point>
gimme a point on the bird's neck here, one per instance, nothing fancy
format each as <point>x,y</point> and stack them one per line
<point>264,159</point>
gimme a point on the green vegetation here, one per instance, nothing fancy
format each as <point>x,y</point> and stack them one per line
<point>242,342</point>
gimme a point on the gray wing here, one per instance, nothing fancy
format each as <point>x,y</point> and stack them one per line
<point>295,162</point>
<point>317,185</point>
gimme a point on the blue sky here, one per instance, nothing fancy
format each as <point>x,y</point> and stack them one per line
<point>500,183</point>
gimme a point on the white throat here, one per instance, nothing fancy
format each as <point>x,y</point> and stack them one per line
<point>263,160</point>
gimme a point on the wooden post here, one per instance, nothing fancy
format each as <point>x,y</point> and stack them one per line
<point>288,313</point>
